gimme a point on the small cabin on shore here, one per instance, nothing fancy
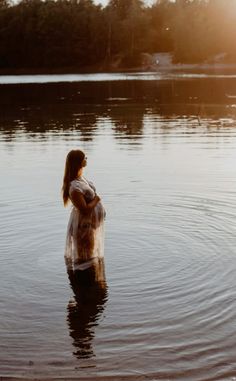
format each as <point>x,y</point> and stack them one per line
<point>156,61</point>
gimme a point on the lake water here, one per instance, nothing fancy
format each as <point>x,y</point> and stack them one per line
<point>162,153</point>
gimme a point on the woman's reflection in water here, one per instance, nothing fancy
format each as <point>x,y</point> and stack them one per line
<point>90,296</point>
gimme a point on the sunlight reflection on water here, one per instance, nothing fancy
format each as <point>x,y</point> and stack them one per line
<point>94,77</point>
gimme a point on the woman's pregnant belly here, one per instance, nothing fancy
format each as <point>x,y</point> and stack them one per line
<point>98,215</point>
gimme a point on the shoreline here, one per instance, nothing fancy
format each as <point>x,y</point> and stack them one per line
<point>129,377</point>
<point>223,68</point>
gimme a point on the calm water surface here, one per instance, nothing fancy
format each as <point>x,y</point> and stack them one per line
<point>162,154</point>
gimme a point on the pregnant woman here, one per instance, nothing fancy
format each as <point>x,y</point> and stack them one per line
<point>85,231</point>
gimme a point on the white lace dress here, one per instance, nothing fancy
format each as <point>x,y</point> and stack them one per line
<point>85,234</point>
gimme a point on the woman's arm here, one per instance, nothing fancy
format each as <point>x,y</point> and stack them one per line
<point>78,200</point>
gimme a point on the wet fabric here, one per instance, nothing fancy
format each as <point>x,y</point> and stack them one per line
<point>85,233</point>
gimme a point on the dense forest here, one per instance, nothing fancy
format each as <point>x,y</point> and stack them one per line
<point>79,34</point>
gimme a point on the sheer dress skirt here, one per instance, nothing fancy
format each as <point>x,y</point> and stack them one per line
<point>85,238</point>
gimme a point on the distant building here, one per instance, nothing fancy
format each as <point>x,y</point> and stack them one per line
<point>163,59</point>
<point>218,58</point>
<point>156,61</point>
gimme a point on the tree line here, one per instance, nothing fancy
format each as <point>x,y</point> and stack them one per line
<point>80,34</point>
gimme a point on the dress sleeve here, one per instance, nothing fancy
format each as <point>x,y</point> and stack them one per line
<point>76,186</point>
<point>91,184</point>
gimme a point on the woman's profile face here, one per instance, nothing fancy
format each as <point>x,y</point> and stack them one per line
<point>84,162</point>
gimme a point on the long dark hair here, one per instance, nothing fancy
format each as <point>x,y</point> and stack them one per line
<point>73,163</point>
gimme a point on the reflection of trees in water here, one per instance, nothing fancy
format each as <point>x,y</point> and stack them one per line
<point>86,124</point>
<point>127,121</point>
<point>37,122</point>
<point>87,307</point>
<point>41,109</point>
<point>38,109</point>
